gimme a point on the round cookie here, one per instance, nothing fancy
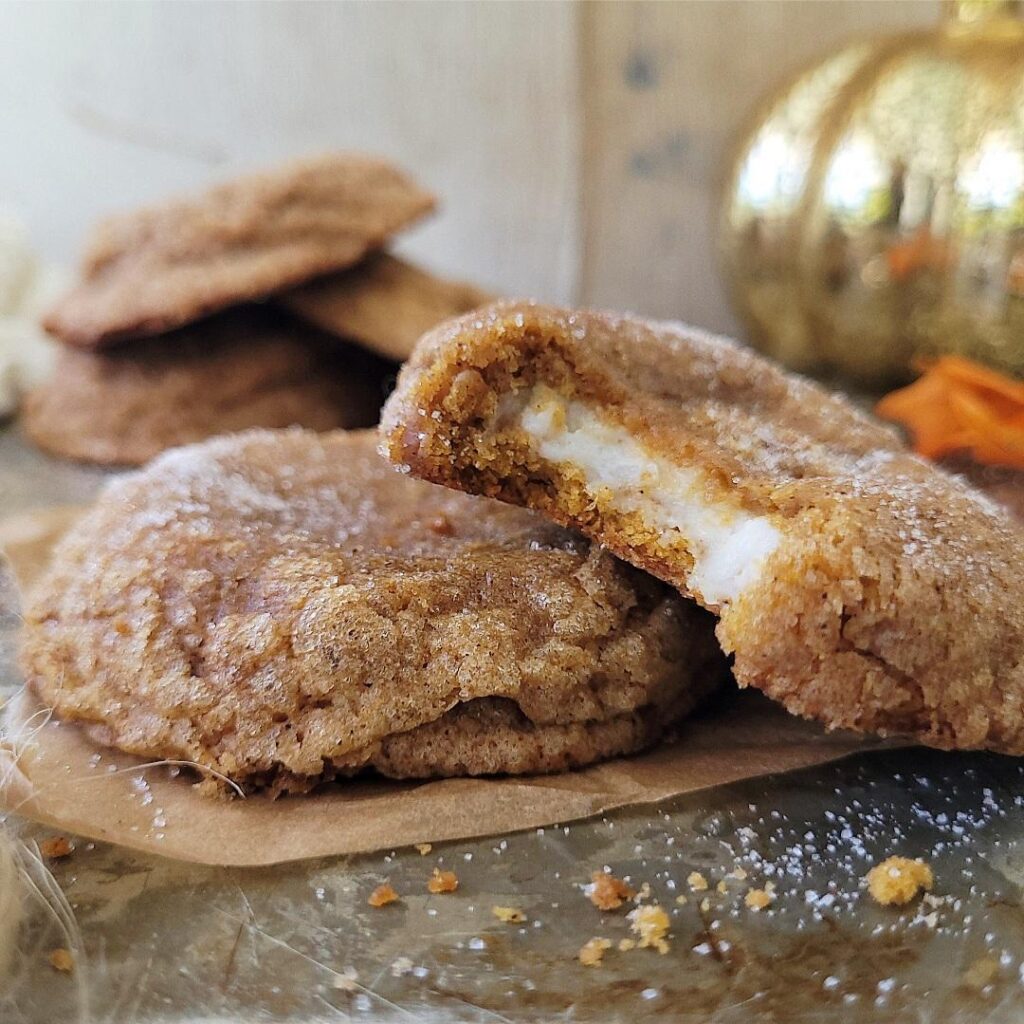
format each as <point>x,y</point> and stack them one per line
<point>384,304</point>
<point>247,368</point>
<point>284,608</point>
<point>158,268</point>
<point>855,583</point>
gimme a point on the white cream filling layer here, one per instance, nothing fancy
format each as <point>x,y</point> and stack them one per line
<point>728,545</point>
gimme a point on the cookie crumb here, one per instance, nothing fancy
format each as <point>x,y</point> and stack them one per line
<point>609,892</point>
<point>62,960</point>
<point>382,896</point>
<point>625,945</point>
<point>696,881</point>
<point>56,847</point>
<point>738,873</point>
<point>682,900</point>
<point>592,952</point>
<point>424,848</point>
<point>722,887</point>
<point>758,899</point>
<point>651,924</point>
<point>510,915</point>
<point>898,880</point>
<point>442,881</point>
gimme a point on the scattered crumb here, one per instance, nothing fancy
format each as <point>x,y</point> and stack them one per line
<point>424,848</point>
<point>682,900</point>
<point>705,905</point>
<point>738,873</point>
<point>651,925</point>
<point>643,894</point>
<point>981,973</point>
<point>56,847</point>
<point>898,880</point>
<point>442,881</point>
<point>722,887</point>
<point>62,960</point>
<point>382,896</point>
<point>609,892</point>
<point>593,951</point>
<point>625,945</point>
<point>758,899</point>
<point>510,915</point>
<point>696,881</point>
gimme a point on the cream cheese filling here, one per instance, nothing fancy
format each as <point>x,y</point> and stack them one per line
<point>728,545</point>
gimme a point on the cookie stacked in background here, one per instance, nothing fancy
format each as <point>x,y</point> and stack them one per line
<point>265,302</point>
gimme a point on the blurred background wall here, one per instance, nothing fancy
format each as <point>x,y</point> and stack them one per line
<point>577,148</point>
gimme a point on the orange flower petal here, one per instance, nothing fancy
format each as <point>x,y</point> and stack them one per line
<point>960,370</point>
<point>958,404</point>
<point>924,409</point>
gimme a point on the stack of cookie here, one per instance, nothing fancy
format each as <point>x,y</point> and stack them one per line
<point>267,301</point>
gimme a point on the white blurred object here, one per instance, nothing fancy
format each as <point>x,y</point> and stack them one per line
<point>26,289</point>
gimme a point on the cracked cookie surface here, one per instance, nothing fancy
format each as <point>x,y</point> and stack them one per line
<point>285,608</point>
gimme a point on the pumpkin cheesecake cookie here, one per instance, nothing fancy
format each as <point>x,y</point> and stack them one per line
<point>164,266</point>
<point>384,304</point>
<point>855,583</point>
<point>250,367</point>
<point>283,608</point>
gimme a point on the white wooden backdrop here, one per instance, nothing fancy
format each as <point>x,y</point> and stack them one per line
<point>577,147</point>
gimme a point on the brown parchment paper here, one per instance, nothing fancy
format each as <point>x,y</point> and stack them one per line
<point>50,772</point>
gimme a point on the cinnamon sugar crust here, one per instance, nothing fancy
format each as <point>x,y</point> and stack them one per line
<point>249,367</point>
<point>164,266</point>
<point>384,304</point>
<point>284,608</point>
<point>855,583</point>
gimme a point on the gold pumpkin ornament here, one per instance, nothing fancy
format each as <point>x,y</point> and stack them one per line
<point>876,212</point>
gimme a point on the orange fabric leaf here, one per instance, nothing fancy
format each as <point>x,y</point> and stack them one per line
<point>978,377</point>
<point>960,405</point>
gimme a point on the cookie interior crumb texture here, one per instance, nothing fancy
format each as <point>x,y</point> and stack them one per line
<point>278,607</point>
<point>841,566</point>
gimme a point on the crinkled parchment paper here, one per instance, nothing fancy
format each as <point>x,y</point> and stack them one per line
<point>50,772</point>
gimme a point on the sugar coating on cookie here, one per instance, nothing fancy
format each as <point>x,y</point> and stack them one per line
<point>385,303</point>
<point>855,583</point>
<point>163,266</point>
<point>285,608</point>
<point>249,367</point>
